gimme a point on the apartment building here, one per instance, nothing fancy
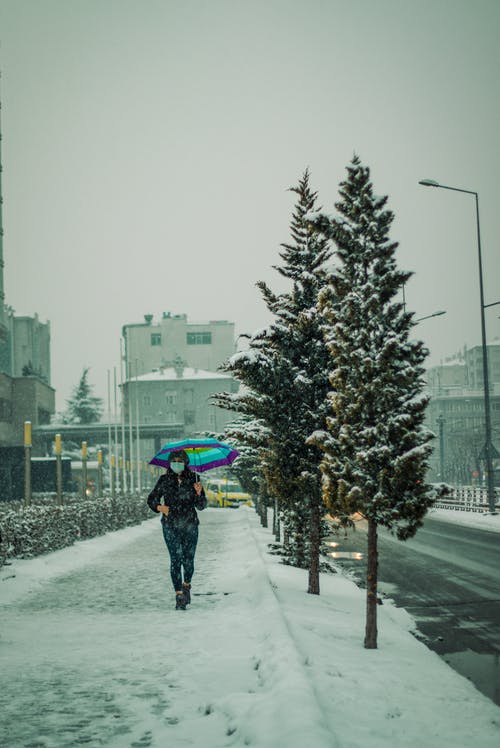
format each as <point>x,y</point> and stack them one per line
<point>153,344</point>
<point>176,397</point>
<point>456,415</point>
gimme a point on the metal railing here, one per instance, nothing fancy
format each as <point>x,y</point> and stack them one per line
<point>119,474</point>
<point>468,499</point>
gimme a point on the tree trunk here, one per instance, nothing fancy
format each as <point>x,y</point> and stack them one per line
<point>263,512</point>
<point>314,545</point>
<point>299,548</point>
<point>371,587</point>
<point>277,529</point>
<point>286,537</point>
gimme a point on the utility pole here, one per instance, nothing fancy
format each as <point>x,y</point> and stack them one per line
<point>440,421</point>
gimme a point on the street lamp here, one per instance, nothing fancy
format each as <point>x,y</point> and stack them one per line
<point>486,384</point>
<point>428,316</point>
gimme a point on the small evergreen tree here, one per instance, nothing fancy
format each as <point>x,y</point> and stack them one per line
<point>249,437</point>
<point>285,373</point>
<point>82,406</point>
<point>375,448</point>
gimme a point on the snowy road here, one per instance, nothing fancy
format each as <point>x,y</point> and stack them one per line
<point>447,577</point>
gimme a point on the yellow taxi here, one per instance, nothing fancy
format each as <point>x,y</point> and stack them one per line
<point>226,492</point>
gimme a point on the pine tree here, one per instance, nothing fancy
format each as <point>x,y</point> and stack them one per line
<point>375,448</point>
<point>82,406</point>
<point>249,437</point>
<point>285,374</point>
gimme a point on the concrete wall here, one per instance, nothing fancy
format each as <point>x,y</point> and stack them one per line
<point>6,428</point>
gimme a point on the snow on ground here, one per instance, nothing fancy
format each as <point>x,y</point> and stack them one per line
<point>482,520</point>
<point>92,652</point>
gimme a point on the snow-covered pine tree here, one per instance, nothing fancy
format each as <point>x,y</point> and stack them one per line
<point>285,369</point>
<point>261,402</point>
<point>249,437</point>
<point>376,447</point>
<point>83,406</point>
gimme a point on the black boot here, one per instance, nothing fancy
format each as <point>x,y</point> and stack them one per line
<point>187,593</point>
<point>180,601</point>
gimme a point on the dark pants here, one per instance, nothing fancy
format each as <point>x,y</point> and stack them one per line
<point>181,543</point>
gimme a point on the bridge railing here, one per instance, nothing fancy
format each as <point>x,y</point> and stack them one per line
<point>468,499</point>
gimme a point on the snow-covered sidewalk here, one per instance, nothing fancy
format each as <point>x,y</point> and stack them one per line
<point>92,652</point>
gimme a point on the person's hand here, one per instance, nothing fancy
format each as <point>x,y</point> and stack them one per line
<point>197,487</point>
<point>163,509</point>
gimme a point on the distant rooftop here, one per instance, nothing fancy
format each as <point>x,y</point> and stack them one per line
<point>169,373</point>
<point>150,319</point>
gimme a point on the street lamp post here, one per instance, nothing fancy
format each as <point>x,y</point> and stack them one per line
<point>486,384</point>
<point>429,316</point>
<point>440,422</point>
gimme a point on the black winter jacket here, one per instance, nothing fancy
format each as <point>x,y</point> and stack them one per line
<point>181,497</point>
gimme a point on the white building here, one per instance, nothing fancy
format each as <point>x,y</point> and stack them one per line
<point>202,345</point>
<point>178,396</point>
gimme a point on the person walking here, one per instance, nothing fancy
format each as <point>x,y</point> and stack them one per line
<point>177,495</point>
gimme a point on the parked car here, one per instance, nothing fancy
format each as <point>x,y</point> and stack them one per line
<point>225,492</point>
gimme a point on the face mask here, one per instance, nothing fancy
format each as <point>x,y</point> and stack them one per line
<point>177,467</point>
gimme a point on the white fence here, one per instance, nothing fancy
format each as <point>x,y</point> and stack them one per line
<point>467,499</point>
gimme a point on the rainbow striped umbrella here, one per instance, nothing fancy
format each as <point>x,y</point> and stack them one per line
<point>204,454</point>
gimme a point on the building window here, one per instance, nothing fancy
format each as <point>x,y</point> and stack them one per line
<point>5,410</point>
<point>43,416</point>
<point>189,417</point>
<point>146,400</point>
<point>156,338</point>
<point>171,397</point>
<point>199,338</point>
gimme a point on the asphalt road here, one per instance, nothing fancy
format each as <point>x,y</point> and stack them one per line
<point>448,578</point>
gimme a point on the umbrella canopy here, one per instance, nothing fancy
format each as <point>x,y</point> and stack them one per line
<point>204,454</point>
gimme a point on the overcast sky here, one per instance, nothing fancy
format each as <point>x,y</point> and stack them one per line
<point>148,146</point>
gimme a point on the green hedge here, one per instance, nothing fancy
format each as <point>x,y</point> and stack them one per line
<point>41,528</point>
